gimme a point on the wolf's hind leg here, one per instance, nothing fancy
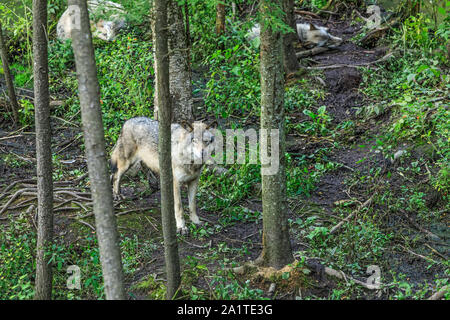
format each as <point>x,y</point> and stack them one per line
<point>122,167</point>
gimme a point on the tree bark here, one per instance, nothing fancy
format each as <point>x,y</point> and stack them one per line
<point>91,116</point>
<point>180,75</point>
<point>220,18</point>
<point>290,58</point>
<point>276,250</point>
<point>8,78</point>
<point>43,152</point>
<point>164,148</point>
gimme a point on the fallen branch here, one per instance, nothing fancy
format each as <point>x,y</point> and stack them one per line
<point>365,204</point>
<point>420,228</point>
<point>440,294</point>
<point>365,64</point>
<point>311,52</point>
<point>306,13</point>
<point>85,223</point>
<point>418,255</point>
<point>10,137</point>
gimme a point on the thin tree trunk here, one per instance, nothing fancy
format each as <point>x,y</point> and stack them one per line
<point>43,152</point>
<point>220,18</point>
<point>276,250</point>
<point>187,25</point>
<point>164,146</point>
<point>8,78</point>
<point>180,75</point>
<point>91,116</point>
<point>290,58</point>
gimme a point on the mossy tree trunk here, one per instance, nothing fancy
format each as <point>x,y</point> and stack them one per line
<point>91,116</point>
<point>290,59</point>
<point>43,152</point>
<point>8,78</point>
<point>276,250</point>
<point>180,75</point>
<point>220,17</point>
<point>164,149</point>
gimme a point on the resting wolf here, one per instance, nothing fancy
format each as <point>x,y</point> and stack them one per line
<point>103,29</point>
<point>308,34</point>
<point>191,145</point>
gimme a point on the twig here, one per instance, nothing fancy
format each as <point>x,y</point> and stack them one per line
<point>418,255</point>
<point>418,227</point>
<point>10,137</point>
<point>133,210</point>
<point>436,252</point>
<point>196,245</point>
<point>85,223</point>
<point>302,12</point>
<point>311,52</point>
<point>365,204</point>
<point>440,294</point>
<point>365,64</point>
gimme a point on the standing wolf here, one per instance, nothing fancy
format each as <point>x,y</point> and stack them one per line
<point>191,146</point>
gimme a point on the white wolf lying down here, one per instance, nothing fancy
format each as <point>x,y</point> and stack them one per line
<point>191,145</point>
<point>102,29</point>
<point>309,34</point>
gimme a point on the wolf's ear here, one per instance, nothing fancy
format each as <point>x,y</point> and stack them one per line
<point>212,125</point>
<point>187,125</point>
<point>312,27</point>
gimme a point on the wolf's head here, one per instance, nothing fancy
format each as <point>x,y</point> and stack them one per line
<point>197,142</point>
<point>317,36</point>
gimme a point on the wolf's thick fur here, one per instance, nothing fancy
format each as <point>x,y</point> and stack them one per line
<point>312,35</point>
<point>103,29</point>
<point>138,141</point>
<point>309,34</point>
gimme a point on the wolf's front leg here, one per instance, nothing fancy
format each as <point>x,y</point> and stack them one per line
<point>192,191</point>
<point>181,225</point>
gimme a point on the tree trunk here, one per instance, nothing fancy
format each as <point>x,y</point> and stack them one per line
<point>91,116</point>
<point>276,250</point>
<point>179,65</point>
<point>180,76</point>
<point>43,152</point>
<point>220,18</point>
<point>8,78</point>
<point>290,58</point>
<point>164,148</point>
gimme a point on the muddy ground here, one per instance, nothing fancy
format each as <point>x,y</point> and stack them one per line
<point>342,101</point>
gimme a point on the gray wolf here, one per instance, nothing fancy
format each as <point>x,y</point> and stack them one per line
<point>314,36</point>
<point>308,34</point>
<point>105,29</point>
<point>191,145</point>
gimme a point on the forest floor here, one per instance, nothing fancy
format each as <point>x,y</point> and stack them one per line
<point>410,252</point>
